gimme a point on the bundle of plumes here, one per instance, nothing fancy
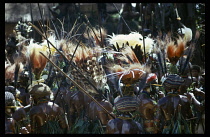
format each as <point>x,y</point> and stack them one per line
<point>37,61</point>
<point>45,44</point>
<point>187,33</point>
<point>133,39</point>
<point>128,55</point>
<point>66,47</point>
<point>99,35</point>
<point>160,51</point>
<point>87,61</point>
<point>22,51</point>
<point>10,70</point>
<point>175,51</point>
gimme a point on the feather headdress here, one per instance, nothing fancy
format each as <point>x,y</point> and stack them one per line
<point>44,45</point>
<point>37,61</point>
<point>175,54</point>
<point>130,55</point>
<point>9,72</point>
<point>133,39</point>
<point>175,51</point>
<point>184,64</point>
<point>130,73</point>
<point>99,35</point>
<point>187,33</point>
<point>160,50</point>
<point>87,61</point>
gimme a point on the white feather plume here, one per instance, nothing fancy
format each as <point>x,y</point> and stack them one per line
<point>134,38</point>
<point>187,33</point>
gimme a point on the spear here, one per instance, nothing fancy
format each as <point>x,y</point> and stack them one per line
<point>122,17</point>
<point>78,86</point>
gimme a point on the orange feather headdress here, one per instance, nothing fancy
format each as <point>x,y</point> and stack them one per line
<point>128,75</point>
<point>37,61</point>
<point>175,51</point>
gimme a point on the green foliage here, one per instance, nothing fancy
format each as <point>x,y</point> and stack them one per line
<point>45,72</point>
<point>86,126</point>
<point>191,87</point>
<point>61,64</point>
<point>175,126</point>
<point>51,127</point>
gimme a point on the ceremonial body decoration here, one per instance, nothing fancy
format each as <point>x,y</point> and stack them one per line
<point>107,71</point>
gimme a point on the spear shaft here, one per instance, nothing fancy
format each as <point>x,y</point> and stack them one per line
<point>122,17</point>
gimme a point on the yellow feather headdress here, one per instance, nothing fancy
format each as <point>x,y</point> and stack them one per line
<point>133,39</point>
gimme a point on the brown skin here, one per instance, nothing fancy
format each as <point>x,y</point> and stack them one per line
<point>96,112</point>
<point>20,116</point>
<point>147,108</point>
<point>185,85</point>
<point>197,78</point>
<point>9,122</point>
<point>22,86</point>
<point>119,126</point>
<point>24,97</point>
<point>44,112</point>
<point>168,106</point>
<point>191,98</point>
<point>199,92</point>
<point>9,126</point>
<point>59,100</point>
<point>77,102</point>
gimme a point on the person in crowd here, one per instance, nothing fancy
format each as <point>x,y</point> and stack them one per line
<point>46,117</point>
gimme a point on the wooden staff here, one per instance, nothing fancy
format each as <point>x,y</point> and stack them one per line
<point>81,89</point>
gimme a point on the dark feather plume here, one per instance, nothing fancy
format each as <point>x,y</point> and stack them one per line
<point>142,82</point>
<point>17,68</point>
<point>189,56</point>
